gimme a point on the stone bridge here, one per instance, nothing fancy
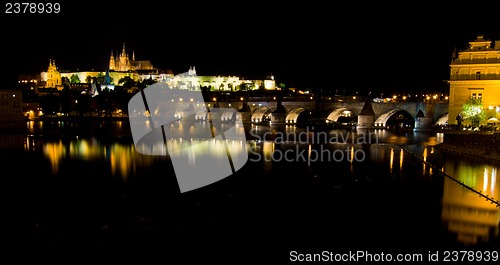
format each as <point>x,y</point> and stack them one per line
<point>361,114</point>
<point>414,115</point>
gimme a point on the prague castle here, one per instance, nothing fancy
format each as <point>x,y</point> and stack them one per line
<point>124,65</point>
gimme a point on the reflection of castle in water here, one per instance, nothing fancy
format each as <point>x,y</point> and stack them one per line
<point>472,218</point>
<point>121,158</point>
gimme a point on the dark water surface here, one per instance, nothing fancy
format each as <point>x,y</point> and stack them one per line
<point>64,188</point>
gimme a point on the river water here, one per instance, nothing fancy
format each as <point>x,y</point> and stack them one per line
<point>72,184</point>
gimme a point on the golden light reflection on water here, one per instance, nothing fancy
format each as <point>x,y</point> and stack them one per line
<point>54,152</point>
<point>424,155</point>
<point>121,162</point>
<point>351,167</point>
<point>267,151</point>
<point>123,159</point>
<point>391,159</point>
<point>471,217</point>
<point>396,156</point>
<point>401,158</point>
<point>434,140</point>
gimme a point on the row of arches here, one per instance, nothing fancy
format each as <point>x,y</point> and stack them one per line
<point>393,118</point>
<point>202,114</point>
<point>396,118</point>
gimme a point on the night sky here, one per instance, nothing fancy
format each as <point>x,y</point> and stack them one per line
<point>345,47</point>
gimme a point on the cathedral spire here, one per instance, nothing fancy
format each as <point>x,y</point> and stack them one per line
<point>112,61</point>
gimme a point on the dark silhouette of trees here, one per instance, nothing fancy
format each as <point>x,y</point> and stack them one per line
<point>50,104</point>
<point>127,82</point>
<point>105,102</point>
<point>66,100</point>
<point>83,104</point>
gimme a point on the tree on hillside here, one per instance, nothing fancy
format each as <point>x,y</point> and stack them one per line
<point>126,82</point>
<point>74,79</point>
<point>50,104</point>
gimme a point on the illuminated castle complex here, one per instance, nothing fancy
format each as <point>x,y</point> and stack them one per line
<point>123,65</point>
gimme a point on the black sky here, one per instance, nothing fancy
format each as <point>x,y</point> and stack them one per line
<point>318,45</point>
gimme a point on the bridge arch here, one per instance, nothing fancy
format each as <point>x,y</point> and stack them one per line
<point>396,119</point>
<point>230,116</point>
<point>201,114</point>
<point>261,114</point>
<point>443,120</point>
<point>183,111</point>
<point>342,115</point>
<point>297,115</point>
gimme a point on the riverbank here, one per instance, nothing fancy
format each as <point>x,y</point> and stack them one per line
<point>58,126</point>
<point>480,144</point>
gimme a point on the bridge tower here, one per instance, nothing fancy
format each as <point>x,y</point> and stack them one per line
<point>423,121</point>
<point>279,115</point>
<point>366,118</point>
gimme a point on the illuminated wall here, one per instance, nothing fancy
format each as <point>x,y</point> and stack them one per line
<point>82,76</point>
<point>475,72</point>
<point>219,83</point>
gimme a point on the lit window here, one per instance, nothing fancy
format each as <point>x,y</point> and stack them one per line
<point>477,96</point>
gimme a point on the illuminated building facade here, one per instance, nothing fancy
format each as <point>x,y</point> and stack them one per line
<point>52,78</point>
<point>475,73</point>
